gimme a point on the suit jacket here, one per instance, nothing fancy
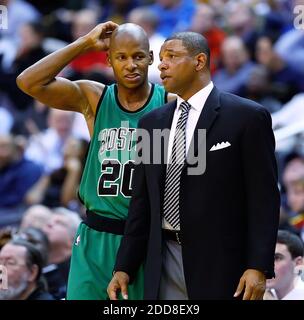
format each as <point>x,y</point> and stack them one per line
<point>228,215</point>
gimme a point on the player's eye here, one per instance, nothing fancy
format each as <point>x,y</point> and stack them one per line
<point>139,57</point>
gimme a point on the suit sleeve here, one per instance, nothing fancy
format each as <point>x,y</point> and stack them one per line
<point>262,194</point>
<point>133,247</point>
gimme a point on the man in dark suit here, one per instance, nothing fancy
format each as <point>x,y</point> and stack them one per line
<point>210,235</point>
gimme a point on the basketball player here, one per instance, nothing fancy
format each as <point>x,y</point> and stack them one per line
<point>112,113</point>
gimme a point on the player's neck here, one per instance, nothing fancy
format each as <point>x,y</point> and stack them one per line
<point>133,99</point>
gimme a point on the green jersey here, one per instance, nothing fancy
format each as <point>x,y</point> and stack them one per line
<point>105,186</point>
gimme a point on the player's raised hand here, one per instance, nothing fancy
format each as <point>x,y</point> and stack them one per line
<point>98,39</point>
<point>119,283</point>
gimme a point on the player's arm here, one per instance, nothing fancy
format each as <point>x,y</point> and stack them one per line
<point>42,83</point>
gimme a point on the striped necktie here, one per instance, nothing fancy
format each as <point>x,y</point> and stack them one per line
<point>174,169</point>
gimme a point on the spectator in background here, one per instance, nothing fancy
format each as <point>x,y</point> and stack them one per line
<point>19,13</point>
<point>31,121</point>
<point>175,15</point>
<point>46,147</point>
<point>242,23</point>
<point>293,179</point>
<point>258,88</point>
<point>29,51</point>
<point>117,10</point>
<point>284,223</point>
<point>291,41</point>
<point>45,7</point>
<point>36,216</point>
<point>94,61</point>
<point>38,238</point>
<point>6,234</point>
<point>24,268</point>
<point>6,120</point>
<point>60,231</point>
<point>287,285</point>
<point>236,67</point>
<point>148,20</point>
<point>203,22</point>
<point>286,81</point>
<point>17,175</point>
<point>279,17</point>
<point>60,187</point>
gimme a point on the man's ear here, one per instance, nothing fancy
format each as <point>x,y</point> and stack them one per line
<point>299,261</point>
<point>151,57</point>
<point>201,59</point>
<point>33,273</point>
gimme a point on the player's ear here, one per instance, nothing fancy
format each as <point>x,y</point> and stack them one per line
<point>151,57</point>
<point>109,60</point>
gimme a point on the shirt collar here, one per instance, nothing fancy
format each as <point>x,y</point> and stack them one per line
<point>198,100</point>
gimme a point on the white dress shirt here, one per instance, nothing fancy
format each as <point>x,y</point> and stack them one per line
<point>197,102</point>
<point>297,293</point>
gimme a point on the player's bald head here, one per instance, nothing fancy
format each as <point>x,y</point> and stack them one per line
<point>129,31</point>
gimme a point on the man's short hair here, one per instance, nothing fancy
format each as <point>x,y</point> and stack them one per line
<point>32,257</point>
<point>293,243</point>
<point>36,237</point>
<point>73,218</point>
<point>194,42</point>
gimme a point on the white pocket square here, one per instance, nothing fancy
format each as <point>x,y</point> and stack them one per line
<point>221,145</point>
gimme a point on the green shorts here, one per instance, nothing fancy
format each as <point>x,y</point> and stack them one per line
<point>92,264</point>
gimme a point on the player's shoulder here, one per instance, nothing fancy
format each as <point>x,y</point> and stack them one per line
<point>93,91</point>
<point>89,86</point>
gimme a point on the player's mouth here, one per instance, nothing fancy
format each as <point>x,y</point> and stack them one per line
<point>132,76</point>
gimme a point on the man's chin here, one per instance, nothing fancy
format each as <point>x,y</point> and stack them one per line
<point>270,284</point>
<point>12,293</point>
<point>133,83</point>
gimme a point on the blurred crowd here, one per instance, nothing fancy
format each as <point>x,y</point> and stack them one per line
<point>257,52</point>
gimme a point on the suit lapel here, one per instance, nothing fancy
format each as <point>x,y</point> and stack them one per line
<point>167,114</point>
<point>166,117</point>
<point>205,121</point>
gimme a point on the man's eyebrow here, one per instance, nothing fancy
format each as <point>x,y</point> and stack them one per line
<point>10,257</point>
<point>278,254</point>
<point>172,50</point>
<point>136,52</point>
<point>162,52</point>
